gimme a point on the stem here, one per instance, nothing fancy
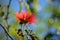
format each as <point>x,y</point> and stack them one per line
<point>21,26</point>
<point>22,37</point>
<point>6,31</point>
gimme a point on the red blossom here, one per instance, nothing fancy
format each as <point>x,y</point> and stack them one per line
<point>25,17</point>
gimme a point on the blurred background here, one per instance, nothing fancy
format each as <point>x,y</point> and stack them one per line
<point>48,18</point>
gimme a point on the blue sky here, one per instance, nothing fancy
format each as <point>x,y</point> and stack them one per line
<point>15,4</point>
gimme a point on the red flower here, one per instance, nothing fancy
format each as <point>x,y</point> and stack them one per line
<point>25,18</point>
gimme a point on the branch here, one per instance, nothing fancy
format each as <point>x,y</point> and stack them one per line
<point>6,31</point>
<point>8,9</point>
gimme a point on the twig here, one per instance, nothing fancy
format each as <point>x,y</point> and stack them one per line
<point>6,31</point>
<point>20,3</point>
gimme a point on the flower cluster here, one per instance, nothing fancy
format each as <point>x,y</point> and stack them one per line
<point>25,18</point>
